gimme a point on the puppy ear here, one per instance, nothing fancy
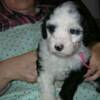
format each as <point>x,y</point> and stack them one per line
<point>91,30</point>
<point>44,32</point>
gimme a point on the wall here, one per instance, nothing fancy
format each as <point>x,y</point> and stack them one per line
<point>94,7</point>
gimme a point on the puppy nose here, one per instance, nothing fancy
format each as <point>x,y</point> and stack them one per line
<point>59,47</point>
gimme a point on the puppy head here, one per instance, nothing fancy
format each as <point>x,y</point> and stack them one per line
<point>62,30</point>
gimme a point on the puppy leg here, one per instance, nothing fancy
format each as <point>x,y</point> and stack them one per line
<point>71,84</point>
<point>47,87</point>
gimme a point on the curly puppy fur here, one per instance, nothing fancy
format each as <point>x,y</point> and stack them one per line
<point>64,36</point>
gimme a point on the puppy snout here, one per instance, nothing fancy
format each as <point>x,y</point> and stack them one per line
<point>59,47</point>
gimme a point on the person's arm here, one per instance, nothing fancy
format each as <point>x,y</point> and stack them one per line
<point>18,68</point>
<point>94,70</point>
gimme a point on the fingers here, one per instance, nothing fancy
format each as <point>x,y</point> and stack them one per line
<point>31,78</point>
<point>94,70</point>
<point>34,56</point>
<point>31,73</point>
<point>93,77</point>
<point>92,74</point>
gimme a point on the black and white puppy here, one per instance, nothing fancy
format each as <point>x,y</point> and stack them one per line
<point>63,40</point>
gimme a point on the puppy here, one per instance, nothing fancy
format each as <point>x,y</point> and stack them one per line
<point>63,41</point>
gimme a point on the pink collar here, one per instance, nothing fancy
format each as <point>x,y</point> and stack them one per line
<point>81,54</point>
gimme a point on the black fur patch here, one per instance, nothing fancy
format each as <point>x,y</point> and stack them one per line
<point>39,67</point>
<point>71,84</point>
<point>51,28</point>
<point>44,31</point>
<point>44,26</point>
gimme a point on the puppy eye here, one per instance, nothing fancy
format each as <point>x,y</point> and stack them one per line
<point>75,31</point>
<point>51,28</point>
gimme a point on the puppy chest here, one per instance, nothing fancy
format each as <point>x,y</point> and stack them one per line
<point>58,68</point>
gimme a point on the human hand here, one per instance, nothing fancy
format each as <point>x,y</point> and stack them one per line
<point>19,68</point>
<point>94,71</point>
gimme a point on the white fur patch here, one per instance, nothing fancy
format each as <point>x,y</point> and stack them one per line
<point>56,65</point>
<point>64,18</point>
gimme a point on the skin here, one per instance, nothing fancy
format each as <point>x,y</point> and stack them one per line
<point>94,70</point>
<point>22,67</point>
<point>18,68</point>
<point>23,6</point>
